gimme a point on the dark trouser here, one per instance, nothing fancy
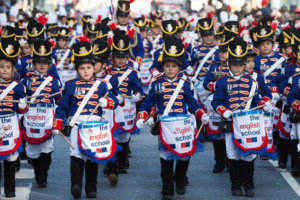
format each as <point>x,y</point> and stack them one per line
<point>220,153</point>
<point>180,172</point>
<point>283,150</point>
<point>9,176</point>
<point>123,155</point>
<point>167,176</point>
<point>294,155</point>
<point>113,167</point>
<point>234,171</point>
<point>41,167</point>
<point>91,173</point>
<point>248,168</point>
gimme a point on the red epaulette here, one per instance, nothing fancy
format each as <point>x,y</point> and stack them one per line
<point>70,80</point>
<point>53,76</point>
<point>133,69</point>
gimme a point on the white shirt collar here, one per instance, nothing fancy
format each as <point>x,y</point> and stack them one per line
<point>234,76</point>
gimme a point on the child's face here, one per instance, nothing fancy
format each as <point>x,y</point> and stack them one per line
<point>155,30</point>
<point>26,51</point>
<point>217,41</point>
<point>120,61</point>
<point>42,66</point>
<point>99,67</point>
<point>250,64</point>
<point>223,55</point>
<point>6,69</point>
<point>171,69</point>
<point>144,34</point>
<point>208,39</point>
<point>122,20</point>
<point>179,34</point>
<point>237,68</point>
<point>266,47</point>
<point>289,50</point>
<point>85,71</point>
<point>61,43</point>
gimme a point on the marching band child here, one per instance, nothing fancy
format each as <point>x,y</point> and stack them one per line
<point>10,135</point>
<point>159,96</point>
<point>77,104</point>
<point>226,98</point>
<point>39,137</point>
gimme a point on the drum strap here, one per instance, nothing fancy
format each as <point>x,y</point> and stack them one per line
<point>8,89</point>
<point>40,88</point>
<point>254,76</point>
<point>122,78</point>
<point>84,102</point>
<point>253,89</point>
<point>107,78</point>
<point>272,68</point>
<point>174,96</point>
<point>206,57</point>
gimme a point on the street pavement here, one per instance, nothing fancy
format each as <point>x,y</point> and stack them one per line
<point>143,180</point>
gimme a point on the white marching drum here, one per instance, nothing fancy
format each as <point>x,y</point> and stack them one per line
<point>201,92</point>
<point>66,75</point>
<point>146,76</point>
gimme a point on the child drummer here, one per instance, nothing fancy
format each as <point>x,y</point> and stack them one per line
<point>37,133</point>
<point>73,95</point>
<point>11,90</point>
<point>226,98</point>
<point>160,94</point>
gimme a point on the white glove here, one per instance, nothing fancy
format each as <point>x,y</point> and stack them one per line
<point>59,66</point>
<point>140,123</point>
<point>55,131</point>
<point>155,73</point>
<point>135,98</point>
<point>136,65</point>
<point>205,118</point>
<point>227,114</point>
<point>71,66</point>
<point>2,133</point>
<point>275,97</point>
<point>267,106</point>
<point>120,99</point>
<point>190,70</point>
<point>103,102</point>
<point>22,105</point>
<point>150,121</point>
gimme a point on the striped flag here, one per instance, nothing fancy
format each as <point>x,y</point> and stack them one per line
<point>102,150</point>
<point>112,9</point>
<point>185,144</point>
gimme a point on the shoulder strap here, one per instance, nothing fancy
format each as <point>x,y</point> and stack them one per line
<point>107,78</point>
<point>253,88</point>
<point>174,96</point>
<point>8,89</point>
<point>40,88</point>
<point>128,71</point>
<point>84,102</point>
<point>254,75</point>
<point>276,64</point>
<point>204,60</point>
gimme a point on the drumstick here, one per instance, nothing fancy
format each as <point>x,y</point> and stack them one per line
<point>52,95</point>
<point>14,101</point>
<point>40,95</point>
<point>201,126</point>
<point>243,102</point>
<point>257,107</point>
<point>62,135</point>
<point>183,70</point>
<point>131,96</point>
<point>95,108</point>
<point>151,115</point>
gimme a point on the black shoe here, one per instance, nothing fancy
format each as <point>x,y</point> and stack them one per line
<point>113,179</point>
<point>76,191</point>
<point>237,192</point>
<point>282,165</point>
<point>242,183</point>
<point>10,194</point>
<point>167,197</point>
<point>180,190</point>
<point>218,170</point>
<point>295,172</point>
<point>129,154</point>
<point>18,165</point>
<point>250,193</point>
<point>42,185</point>
<point>29,161</point>
<point>127,164</point>
<point>187,181</point>
<point>91,195</point>
<point>106,170</point>
<point>122,170</point>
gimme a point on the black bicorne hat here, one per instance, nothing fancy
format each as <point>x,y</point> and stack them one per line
<point>141,23</point>
<point>123,8</point>
<point>63,33</point>
<point>250,51</point>
<point>120,45</point>
<point>9,50</point>
<point>285,38</point>
<point>182,24</point>
<point>155,20</point>
<point>263,33</point>
<point>232,26</point>
<point>105,21</point>
<point>253,36</point>
<point>218,34</point>
<point>92,29</point>
<point>83,52</point>
<point>237,51</point>
<point>85,20</point>
<point>35,31</point>
<point>169,29</point>
<point>296,40</point>
<point>52,27</point>
<point>205,26</point>
<point>173,51</point>
<point>103,31</point>
<point>266,21</point>
<point>21,33</point>
<point>41,51</point>
<point>8,32</point>
<point>70,21</point>
<point>101,50</point>
<point>226,38</point>
<point>23,22</point>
